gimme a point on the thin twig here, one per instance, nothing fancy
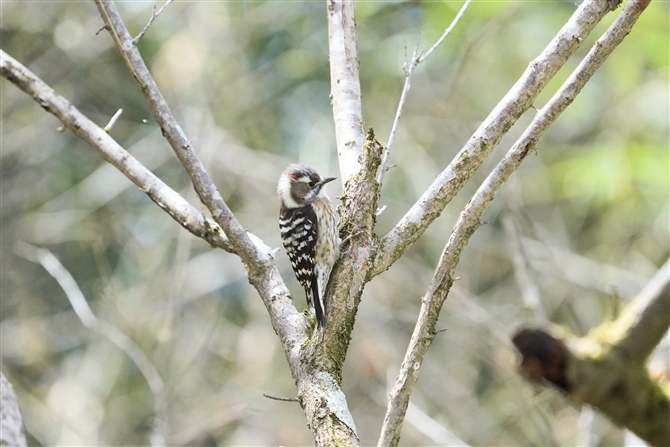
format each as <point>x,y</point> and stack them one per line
<point>80,306</point>
<point>417,58</point>
<point>283,399</point>
<point>409,69</point>
<point>112,121</point>
<point>154,14</point>
<point>446,33</point>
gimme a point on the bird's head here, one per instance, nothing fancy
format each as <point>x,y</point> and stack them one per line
<point>300,185</point>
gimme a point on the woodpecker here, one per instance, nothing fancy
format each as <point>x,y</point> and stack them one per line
<point>308,227</point>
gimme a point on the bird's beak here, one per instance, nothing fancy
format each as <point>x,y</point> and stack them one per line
<point>328,179</point>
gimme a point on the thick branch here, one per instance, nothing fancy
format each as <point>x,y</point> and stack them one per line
<point>607,368</point>
<point>646,320</point>
<point>349,276</point>
<point>320,396</point>
<point>469,220</point>
<point>345,86</point>
<point>173,203</point>
<point>519,99</point>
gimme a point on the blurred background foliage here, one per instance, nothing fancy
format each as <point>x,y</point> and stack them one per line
<point>249,83</point>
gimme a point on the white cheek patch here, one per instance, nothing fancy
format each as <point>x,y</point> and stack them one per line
<point>285,192</point>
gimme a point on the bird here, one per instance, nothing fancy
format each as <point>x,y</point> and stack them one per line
<point>308,226</point>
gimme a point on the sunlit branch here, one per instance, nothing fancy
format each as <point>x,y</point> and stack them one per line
<point>518,100</point>
<point>165,197</point>
<point>345,86</point>
<point>607,368</point>
<point>470,218</point>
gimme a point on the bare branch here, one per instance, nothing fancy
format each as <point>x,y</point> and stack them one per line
<point>469,219</point>
<point>165,197</point>
<point>345,86</point>
<point>78,302</point>
<point>112,121</point>
<point>263,273</point>
<point>282,399</point>
<point>646,320</point>
<point>203,184</point>
<point>519,99</point>
<point>319,391</point>
<point>607,368</point>
<point>154,14</point>
<point>417,58</point>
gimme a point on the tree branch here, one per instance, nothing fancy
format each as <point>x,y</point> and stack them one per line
<point>607,368</point>
<point>345,86</point>
<point>357,215</point>
<point>154,14</point>
<point>519,99</point>
<point>165,197</point>
<point>320,395</point>
<point>203,184</point>
<point>469,219</point>
<point>417,58</point>
<point>645,321</point>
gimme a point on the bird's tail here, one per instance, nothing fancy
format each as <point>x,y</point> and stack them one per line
<point>319,308</point>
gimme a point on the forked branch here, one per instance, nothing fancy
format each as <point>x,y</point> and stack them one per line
<point>470,218</point>
<point>519,99</point>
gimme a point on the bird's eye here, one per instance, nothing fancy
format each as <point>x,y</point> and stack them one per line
<point>311,184</point>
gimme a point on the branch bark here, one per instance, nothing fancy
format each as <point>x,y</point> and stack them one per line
<point>469,219</point>
<point>318,390</point>
<point>519,99</point>
<point>165,197</point>
<point>345,86</point>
